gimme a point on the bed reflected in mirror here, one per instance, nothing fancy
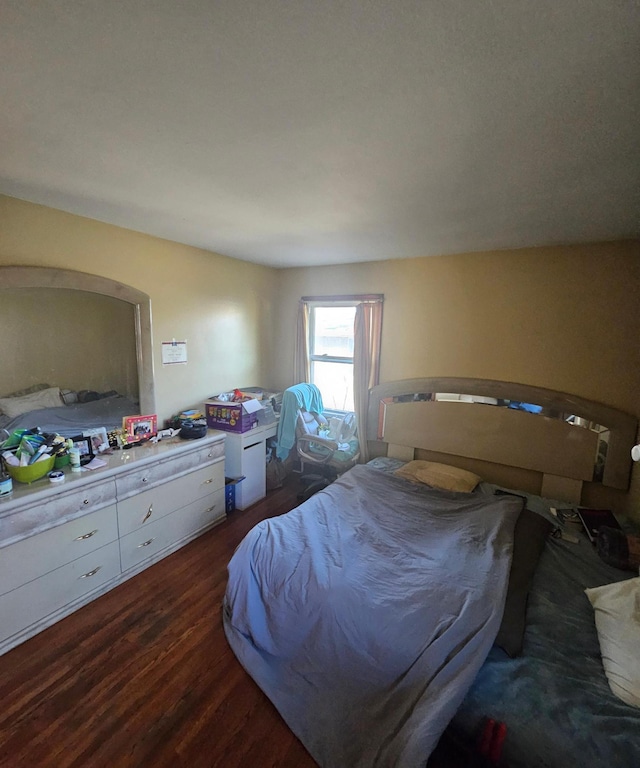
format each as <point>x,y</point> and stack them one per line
<point>74,340</point>
<point>84,337</point>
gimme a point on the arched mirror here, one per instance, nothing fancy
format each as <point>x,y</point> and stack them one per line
<point>75,331</point>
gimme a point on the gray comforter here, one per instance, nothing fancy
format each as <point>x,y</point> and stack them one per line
<point>555,698</point>
<point>365,613</point>
<point>71,420</point>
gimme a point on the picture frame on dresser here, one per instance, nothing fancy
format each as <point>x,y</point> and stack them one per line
<point>84,445</point>
<point>99,439</point>
<point>140,428</point>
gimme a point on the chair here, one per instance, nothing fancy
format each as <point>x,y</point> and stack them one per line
<point>329,447</point>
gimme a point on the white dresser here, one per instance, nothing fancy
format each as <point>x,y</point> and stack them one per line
<point>63,545</point>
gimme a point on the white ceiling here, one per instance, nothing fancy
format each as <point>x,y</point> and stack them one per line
<point>320,132</point>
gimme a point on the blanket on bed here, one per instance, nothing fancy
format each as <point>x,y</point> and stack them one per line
<point>71,420</point>
<point>365,613</point>
<point>555,698</point>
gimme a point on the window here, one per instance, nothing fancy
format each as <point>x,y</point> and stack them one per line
<point>331,343</point>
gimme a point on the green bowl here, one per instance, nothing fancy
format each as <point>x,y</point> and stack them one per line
<point>61,461</point>
<point>32,472</point>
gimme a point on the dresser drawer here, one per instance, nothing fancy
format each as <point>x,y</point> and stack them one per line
<point>199,515</point>
<point>27,559</point>
<point>156,536</point>
<point>62,503</point>
<point>154,474</point>
<point>32,602</point>
<point>145,508</point>
<point>84,500</point>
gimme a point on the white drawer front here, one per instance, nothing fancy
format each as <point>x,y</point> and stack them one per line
<point>145,508</point>
<point>30,558</point>
<point>154,474</point>
<point>26,605</point>
<point>204,512</point>
<point>67,503</point>
<point>86,499</point>
<point>154,537</point>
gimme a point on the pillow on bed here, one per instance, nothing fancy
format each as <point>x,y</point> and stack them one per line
<point>16,406</point>
<point>529,538</point>
<point>617,616</point>
<point>28,390</point>
<point>439,476</point>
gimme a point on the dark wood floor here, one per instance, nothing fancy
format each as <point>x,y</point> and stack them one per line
<point>143,676</point>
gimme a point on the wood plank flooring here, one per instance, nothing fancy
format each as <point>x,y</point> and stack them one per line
<point>143,676</point>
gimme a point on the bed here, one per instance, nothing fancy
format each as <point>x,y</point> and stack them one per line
<point>373,615</point>
<point>43,406</point>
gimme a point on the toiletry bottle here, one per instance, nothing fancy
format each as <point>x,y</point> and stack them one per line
<point>74,459</point>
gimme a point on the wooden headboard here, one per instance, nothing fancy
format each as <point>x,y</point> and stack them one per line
<point>487,420</point>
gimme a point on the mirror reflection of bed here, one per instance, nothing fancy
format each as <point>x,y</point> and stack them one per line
<point>75,351</point>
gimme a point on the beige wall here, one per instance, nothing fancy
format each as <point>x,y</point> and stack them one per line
<point>221,306</point>
<point>566,318</point>
<point>46,334</point>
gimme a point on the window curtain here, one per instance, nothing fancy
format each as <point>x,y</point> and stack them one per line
<point>366,364</point>
<point>301,369</point>
<point>366,354</point>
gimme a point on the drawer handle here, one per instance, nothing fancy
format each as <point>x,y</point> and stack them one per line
<point>210,455</point>
<point>91,573</point>
<point>146,543</point>
<point>86,501</point>
<point>86,535</point>
<point>149,513</point>
<point>207,482</point>
<point>144,479</point>
<point>210,509</point>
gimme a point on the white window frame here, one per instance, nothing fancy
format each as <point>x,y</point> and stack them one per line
<point>313,305</point>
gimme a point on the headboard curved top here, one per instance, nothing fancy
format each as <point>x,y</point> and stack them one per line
<point>518,425</point>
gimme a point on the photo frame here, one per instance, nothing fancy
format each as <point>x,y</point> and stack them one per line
<point>99,439</point>
<point>83,444</point>
<point>140,428</point>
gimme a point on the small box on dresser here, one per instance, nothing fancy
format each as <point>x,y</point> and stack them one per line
<point>233,417</point>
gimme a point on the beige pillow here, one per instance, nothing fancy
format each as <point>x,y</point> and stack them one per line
<point>28,390</point>
<point>439,476</point>
<point>16,406</point>
<point>617,615</point>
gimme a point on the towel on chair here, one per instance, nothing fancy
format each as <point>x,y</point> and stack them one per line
<point>300,396</point>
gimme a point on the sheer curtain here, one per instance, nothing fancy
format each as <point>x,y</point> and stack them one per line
<point>366,352</point>
<point>301,369</point>
<point>366,363</point>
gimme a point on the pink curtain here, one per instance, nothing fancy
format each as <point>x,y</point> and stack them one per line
<point>366,364</point>
<point>366,353</point>
<point>301,355</point>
